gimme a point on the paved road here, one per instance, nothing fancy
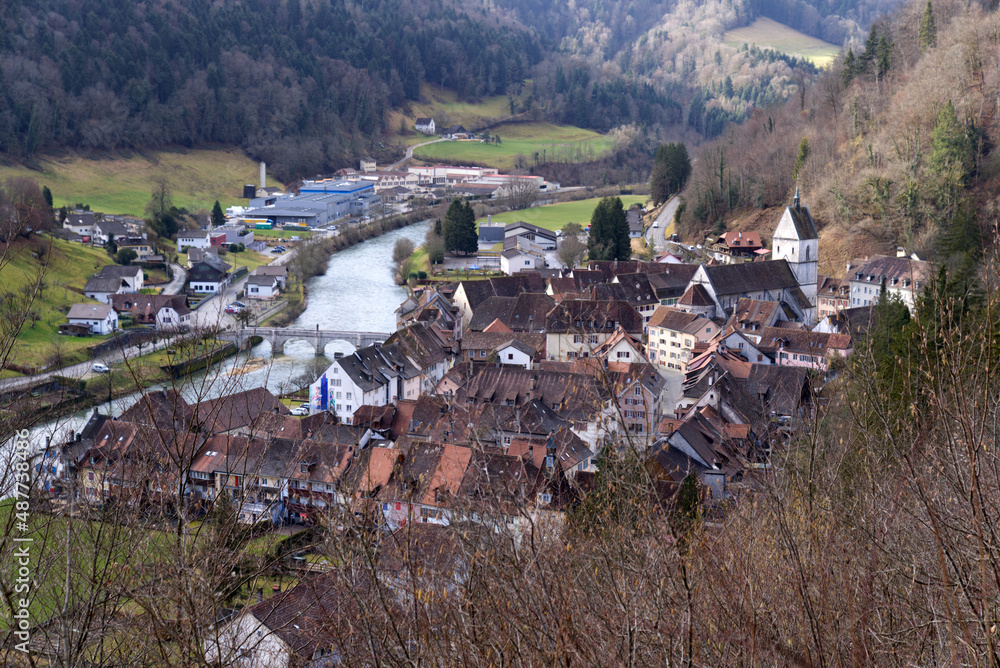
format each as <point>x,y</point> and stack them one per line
<point>210,314</point>
<point>664,225</point>
<point>409,153</point>
<point>175,286</point>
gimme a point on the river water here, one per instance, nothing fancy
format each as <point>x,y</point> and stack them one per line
<point>357,293</point>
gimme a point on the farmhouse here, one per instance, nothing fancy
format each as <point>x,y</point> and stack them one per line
<point>208,275</point>
<point>425,125</point>
<point>164,312</point>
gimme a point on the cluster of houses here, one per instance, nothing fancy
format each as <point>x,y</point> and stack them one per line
<point>493,401</point>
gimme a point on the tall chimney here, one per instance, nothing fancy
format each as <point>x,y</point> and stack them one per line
<point>263,174</point>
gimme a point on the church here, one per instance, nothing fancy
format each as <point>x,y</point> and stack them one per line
<point>789,278</point>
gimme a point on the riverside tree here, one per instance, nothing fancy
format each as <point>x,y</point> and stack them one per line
<point>460,228</point>
<point>609,238</point>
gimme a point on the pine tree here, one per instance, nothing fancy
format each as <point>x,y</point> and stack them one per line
<point>218,217</point>
<point>866,58</point>
<point>609,238</point>
<point>951,144</point>
<point>927,34</point>
<point>850,65</point>
<point>671,170</point>
<point>460,228</point>
<point>800,159</point>
<point>883,55</point>
<point>47,196</point>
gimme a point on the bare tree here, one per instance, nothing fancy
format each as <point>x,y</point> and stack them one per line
<point>517,193</point>
<point>571,252</point>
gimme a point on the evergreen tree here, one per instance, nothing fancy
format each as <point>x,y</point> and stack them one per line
<point>866,58</point>
<point>47,195</point>
<point>671,170</point>
<point>686,508</point>
<point>952,147</point>
<point>927,33</point>
<point>460,228</point>
<point>609,238</point>
<point>850,65</point>
<point>883,55</point>
<point>800,159</point>
<point>218,218</point>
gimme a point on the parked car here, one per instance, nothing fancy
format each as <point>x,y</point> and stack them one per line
<point>656,224</point>
<point>240,304</point>
<point>233,308</point>
<point>306,405</point>
<point>299,410</point>
<point>100,368</point>
<point>277,250</point>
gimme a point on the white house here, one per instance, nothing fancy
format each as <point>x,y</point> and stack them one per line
<point>100,318</point>
<point>279,271</point>
<point>374,376</point>
<point>516,354</point>
<point>80,222</point>
<point>262,287</point>
<point>425,126</point>
<point>113,280</point>
<point>903,276</point>
<point>518,259</point>
<point>193,239</point>
<point>105,230</point>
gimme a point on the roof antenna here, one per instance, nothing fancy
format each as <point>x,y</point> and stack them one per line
<point>796,200</point>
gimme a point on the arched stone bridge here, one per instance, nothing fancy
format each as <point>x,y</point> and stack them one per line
<point>318,338</point>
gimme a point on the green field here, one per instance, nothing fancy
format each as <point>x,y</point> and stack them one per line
<point>444,106</point>
<point>767,33</point>
<point>534,142</point>
<point>279,233</point>
<point>123,184</point>
<point>555,216</point>
<point>70,265</point>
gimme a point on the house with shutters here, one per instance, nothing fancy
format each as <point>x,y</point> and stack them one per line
<point>575,328</point>
<point>209,275</point>
<point>673,335</point>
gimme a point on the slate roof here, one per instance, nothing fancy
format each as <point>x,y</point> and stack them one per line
<point>805,227</point>
<point>88,311</point>
<point>254,279</point>
<point>270,270</point>
<point>374,366</point>
<point>588,315</point>
<point>534,229</point>
<point>112,228</point>
<point>78,218</point>
<point>523,313</point>
<point>422,121</point>
<point>730,279</point>
<point>118,271</point>
<point>782,389</point>
<point>192,234</point>
<point>420,344</point>
<point>632,288</point>
<point>196,255</point>
<point>109,284</point>
<point>566,393</point>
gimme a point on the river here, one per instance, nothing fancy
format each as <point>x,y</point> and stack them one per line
<point>357,293</point>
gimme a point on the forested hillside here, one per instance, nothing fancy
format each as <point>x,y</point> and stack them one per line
<point>302,85</point>
<point>893,147</point>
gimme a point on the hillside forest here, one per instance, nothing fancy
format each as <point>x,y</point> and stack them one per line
<point>307,86</point>
<point>894,146</point>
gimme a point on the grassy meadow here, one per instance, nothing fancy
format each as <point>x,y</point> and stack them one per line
<point>552,143</point>
<point>555,216</point>
<point>69,266</point>
<point>768,33</point>
<point>443,105</point>
<point>123,184</point>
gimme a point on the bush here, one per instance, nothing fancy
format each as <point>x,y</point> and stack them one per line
<point>421,275</point>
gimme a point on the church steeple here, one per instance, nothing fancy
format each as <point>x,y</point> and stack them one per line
<point>795,201</point>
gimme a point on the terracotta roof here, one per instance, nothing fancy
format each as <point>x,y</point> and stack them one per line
<point>738,239</point>
<point>696,295</point>
<point>677,320</point>
<point>578,315</point>
<point>810,343</point>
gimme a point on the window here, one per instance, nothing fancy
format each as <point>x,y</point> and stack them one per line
<point>577,338</point>
<point>593,338</point>
<point>339,395</point>
<point>482,353</point>
<point>472,353</point>
<point>638,391</point>
<point>348,395</point>
<point>349,409</point>
<point>336,382</point>
<point>510,356</point>
<point>90,476</point>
